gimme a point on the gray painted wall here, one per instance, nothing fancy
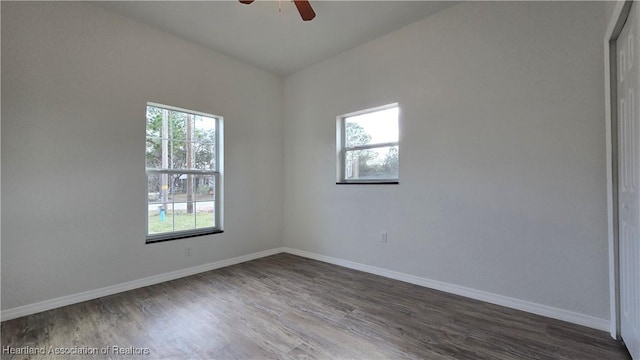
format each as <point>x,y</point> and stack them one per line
<point>502,153</point>
<point>75,80</point>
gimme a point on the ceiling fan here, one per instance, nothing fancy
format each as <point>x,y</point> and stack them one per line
<point>304,8</point>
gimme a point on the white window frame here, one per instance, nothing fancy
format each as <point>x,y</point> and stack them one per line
<point>217,173</point>
<point>342,149</point>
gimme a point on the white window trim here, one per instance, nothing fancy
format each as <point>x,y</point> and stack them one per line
<point>217,173</point>
<point>342,149</point>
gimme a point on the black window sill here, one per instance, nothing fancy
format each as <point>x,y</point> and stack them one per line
<point>183,236</point>
<point>368,183</point>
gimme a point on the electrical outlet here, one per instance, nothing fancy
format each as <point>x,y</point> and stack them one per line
<point>187,251</point>
<point>384,238</point>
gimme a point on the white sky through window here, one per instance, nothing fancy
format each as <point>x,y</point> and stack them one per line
<point>381,125</point>
<point>204,122</point>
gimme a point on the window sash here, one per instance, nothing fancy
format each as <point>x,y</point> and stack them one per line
<point>179,234</point>
<point>343,155</point>
<point>218,134</point>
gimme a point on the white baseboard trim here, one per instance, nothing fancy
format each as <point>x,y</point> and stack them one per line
<point>539,309</point>
<point>544,310</point>
<point>130,285</point>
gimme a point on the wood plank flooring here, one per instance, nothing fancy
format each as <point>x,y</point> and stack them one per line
<point>288,307</point>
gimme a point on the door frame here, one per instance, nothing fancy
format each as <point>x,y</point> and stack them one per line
<point>617,21</point>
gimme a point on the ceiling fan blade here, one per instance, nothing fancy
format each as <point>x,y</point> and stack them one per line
<point>305,9</point>
<point>247,1</point>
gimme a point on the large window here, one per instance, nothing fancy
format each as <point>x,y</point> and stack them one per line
<point>368,146</point>
<point>184,173</point>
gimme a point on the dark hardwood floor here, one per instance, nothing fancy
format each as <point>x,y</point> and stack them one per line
<point>287,307</point>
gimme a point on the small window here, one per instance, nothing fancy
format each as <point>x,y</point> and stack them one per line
<point>184,173</point>
<point>368,146</point>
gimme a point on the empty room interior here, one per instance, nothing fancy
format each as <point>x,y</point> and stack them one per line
<point>320,180</point>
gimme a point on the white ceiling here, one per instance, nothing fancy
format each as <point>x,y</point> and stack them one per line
<point>279,42</point>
